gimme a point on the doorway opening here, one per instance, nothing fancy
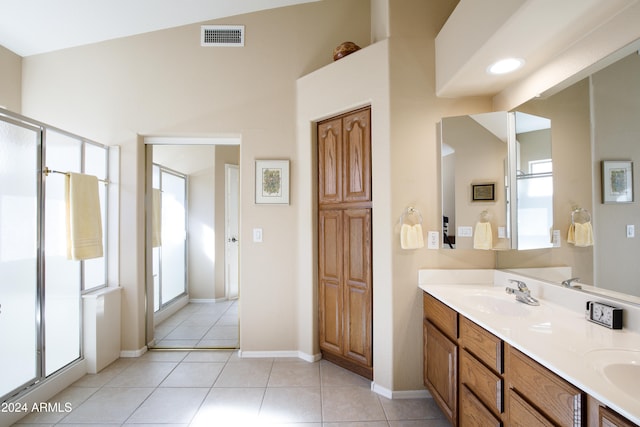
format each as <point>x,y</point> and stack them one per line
<point>192,230</point>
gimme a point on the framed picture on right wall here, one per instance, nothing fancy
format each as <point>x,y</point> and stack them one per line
<point>617,181</point>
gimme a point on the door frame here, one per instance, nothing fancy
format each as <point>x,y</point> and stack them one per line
<point>228,291</point>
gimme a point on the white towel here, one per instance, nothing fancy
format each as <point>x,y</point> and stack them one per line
<point>84,222</point>
<point>483,236</point>
<point>411,236</point>
<point>580,235</point>
<point>156,218</point>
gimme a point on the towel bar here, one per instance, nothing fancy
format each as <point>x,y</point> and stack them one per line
<point>47,171</point>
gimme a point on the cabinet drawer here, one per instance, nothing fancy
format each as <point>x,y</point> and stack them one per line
<point>521,414</point>
<point>558,400</point>
<point>482,344</point>
<point>441,316</point>
<point>473,412</point>
<point>484,383</point>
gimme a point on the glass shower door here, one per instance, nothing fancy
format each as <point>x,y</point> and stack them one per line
<point>170,258</point>
<point>19,262</point>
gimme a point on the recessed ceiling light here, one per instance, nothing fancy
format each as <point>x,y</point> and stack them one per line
<point>505,66</point>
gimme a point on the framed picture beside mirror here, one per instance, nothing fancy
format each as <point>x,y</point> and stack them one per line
<point>617,181</point>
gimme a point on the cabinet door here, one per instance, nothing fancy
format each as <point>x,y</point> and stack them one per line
<point>441,359</point>
<point>357,285</point>
<point>609,418</point>
<point>357,157</point>
<point>330,259</point>
<point>330,161</point>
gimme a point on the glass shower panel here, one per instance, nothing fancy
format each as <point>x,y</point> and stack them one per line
<point>174,234</point>
<point>95,163</point>
<point>19,148</point>
<point>62,276</point>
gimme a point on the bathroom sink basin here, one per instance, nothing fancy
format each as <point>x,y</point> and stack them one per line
<point>493,304</point>
<point>621,367</point>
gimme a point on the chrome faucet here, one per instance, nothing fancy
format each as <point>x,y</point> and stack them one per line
<point>568,283</point>
<point>523,294</point>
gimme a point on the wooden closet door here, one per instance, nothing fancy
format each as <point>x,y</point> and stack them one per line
<point>357,285</point>
<point>344,241</point>
<point>330,295</point>
<point>356,141</point>
<point>330,162</point>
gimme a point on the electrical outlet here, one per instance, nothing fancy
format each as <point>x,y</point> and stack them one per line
<point>631,231</point>
<point>433,240</point>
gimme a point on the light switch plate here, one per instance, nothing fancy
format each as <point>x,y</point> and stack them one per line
<point>502,232</point>
<point>433,240</point>
<point>631,231</point>
<point>465,231</point>
<point>555,239</point>
<point>257,235</point>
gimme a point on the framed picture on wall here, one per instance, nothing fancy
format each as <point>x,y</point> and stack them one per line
<point>272,182</point>
<point>617,181</point>
<point>483,192</point>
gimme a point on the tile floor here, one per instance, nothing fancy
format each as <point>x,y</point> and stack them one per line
<point>217,388</point>
<point>200,325</point>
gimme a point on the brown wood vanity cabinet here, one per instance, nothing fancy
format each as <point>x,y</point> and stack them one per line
<point>440,326</point>
<point>463,366</point>
<point>478,380</point>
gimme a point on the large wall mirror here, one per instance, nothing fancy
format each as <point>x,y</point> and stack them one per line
<point>595,119</point>
<point>497,181</point>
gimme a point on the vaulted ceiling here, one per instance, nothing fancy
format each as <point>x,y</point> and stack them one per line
<point>38,26</point>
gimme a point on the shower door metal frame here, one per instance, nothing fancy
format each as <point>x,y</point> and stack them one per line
<point>39,303</point>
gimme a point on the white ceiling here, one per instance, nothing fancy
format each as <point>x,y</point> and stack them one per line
<point>29,27</point>
<point>480,32</point>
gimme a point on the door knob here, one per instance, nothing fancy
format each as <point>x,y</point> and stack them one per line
<point>233,240</point>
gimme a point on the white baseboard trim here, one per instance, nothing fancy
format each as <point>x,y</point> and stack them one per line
<point>400,394</point>
<point>206,300</point>
<point>134,353</point>
<point>280,354</point>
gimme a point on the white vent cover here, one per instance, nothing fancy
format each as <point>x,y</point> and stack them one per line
<point>222,35</point>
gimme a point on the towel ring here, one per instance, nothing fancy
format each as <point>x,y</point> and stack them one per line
<point>411,216</point>
<point>580,216</point>
<point>485,216</point>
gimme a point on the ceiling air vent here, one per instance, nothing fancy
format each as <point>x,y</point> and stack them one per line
<point>222,35</point>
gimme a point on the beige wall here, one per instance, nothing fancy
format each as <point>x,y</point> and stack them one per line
<point>165,84</point>
<point>11,81</point>
<point>202,265</point>
<point>414,174</point>
<point>616,109</point>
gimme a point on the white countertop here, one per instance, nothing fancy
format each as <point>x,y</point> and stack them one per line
<point>559,338</point>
